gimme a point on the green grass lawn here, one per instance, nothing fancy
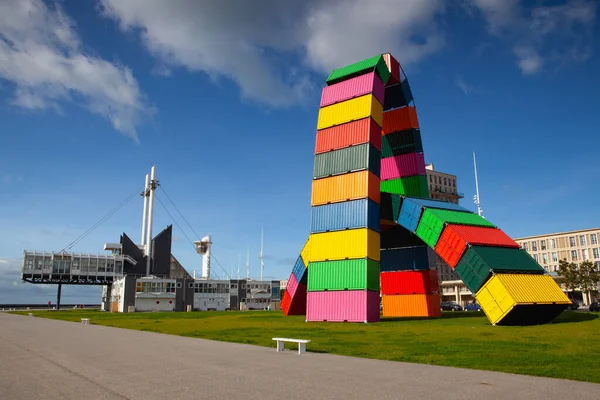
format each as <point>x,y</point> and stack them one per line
<point>567,348</point>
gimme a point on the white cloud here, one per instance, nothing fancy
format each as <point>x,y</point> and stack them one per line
<point>42,56</point>
<point>556,34</point>
<point>245,42</point>
<point>462,85</point>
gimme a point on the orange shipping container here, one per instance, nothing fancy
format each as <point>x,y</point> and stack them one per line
<point>412,305</point>
<point>353,133</point>
<point>353,186</point>
<point>400,119</point>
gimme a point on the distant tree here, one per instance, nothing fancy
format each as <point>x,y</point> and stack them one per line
<point>588,277</point>
<point>569,275</point>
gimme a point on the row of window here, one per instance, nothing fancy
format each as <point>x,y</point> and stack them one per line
<point>551,243</point>
<point>438,180</point>
<point>77,266</point>
<point>156,287</point>
<point>585,255</point>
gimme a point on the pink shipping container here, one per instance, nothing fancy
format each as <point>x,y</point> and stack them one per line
<point>355,87</point>
<point>403,165</point>
<point>343,306</point>
<point>292,285</point>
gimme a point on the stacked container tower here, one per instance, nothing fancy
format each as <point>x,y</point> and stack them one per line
<point>374,230</point>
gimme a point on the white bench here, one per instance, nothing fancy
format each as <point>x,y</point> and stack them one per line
<point>301,344</point>
<point>85,321</point>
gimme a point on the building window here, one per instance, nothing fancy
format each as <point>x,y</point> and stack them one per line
<point>525,246</point>
<point>430,179</point>
<point>554,257</point>
<point>445,181</point>
<point>552,243</point>
<point>543,244</point>
<point>536,258</point>
<point>534,245</point>
<point>595,252</point>
<point>572,241</point>
<point>597,264</point>
<point>594,238</point>
<point>584,254</point>
<point>573,255</point>
<point>545,258</point>
<point>582,240</point>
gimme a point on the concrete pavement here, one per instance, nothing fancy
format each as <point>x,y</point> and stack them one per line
<point>48,359</point>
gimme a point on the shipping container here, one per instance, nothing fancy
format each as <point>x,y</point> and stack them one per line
<point>521,299</point>
<point>294,305</point>
<point>356,274</point>
<point>353,133</point>
<point>409,282</point>
<point>406,259</point>
<point>299,270</point>
<point>432,222</point>
<point>343,306</point>
<point>402,142</point>
<point>343,245</point>
<point>376,63</point>
<point>401,166</point>
<point>415,186</point>
<point>411,210</point>
<point>305,252</point>
<point>400,119</point>
<point>455,238</point>
<point>364,84</point>
<point>353,186</point>
<point>353,214</point>
<point>390,206</point>
<point>398,236</point>
<point>350,110</point>
<point>351,159</point>
<point>479,262</point>
<point>411,305</point>
<point>407,91</point>
<point>394,67</point>
<point>292,285</point>
<point>395,97</point>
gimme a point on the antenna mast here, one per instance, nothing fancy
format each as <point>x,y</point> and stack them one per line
<point>476,198</point>
<point>261,254</point>
<point>151,184</point>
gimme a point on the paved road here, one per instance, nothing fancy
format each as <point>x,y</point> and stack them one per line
<point>47,359</point>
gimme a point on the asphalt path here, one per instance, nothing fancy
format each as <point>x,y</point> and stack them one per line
<point>48,359</point>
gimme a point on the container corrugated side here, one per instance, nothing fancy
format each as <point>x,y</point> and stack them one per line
<point>403,142</point>
<point>343,306</point>
<point>305,252</point>
<point>355,87</point>
<point>390,206</point>
<point>478,263</point>
<point>432,222</point>
<point>353,186</point>
<point>299,270</point>
<point>350,110</point>
<point>526,296</point>
<point>415,186</point>
<point>408,282</point>
<point>376,63</point>
<point>400,119</point>
<point>403,165</point>
<point>405,259</point>
<point>356,274</point>
<point>353,214</point>
<point>398,236</point>
<point>411,210</point>
<point>292,285</point>
<point>411,305</point>
<point>394,67</point>
<point>350,159</point>
<point>342,245</point>
<point>353,133</point>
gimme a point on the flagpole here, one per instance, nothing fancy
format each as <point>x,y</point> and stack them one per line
<point>476,198</point>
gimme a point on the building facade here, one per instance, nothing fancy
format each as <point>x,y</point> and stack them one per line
<point>442,186</point>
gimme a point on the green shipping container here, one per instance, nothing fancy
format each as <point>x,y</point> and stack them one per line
<point>432,223</point>
<point>350,159</point>
<point>356,274</point>
<point>376,64</point>
<point>479,262</point>
<point>413,186</point>
<point>403,142</point>
<point>390,206</point>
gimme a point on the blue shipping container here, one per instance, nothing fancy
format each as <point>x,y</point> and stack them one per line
<point>410,211</point>
<point>299,271</point>
<point>363,213</point>
<point>406,259</point>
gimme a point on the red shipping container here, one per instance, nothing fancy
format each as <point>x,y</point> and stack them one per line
<point>454,240</point>
<point>400,119</point>
<point>355,87</point>
<point>394,68</point>
<point>409,282</point>
<point>403,165</point>
<point>362,131</point>
<point>294,305</point>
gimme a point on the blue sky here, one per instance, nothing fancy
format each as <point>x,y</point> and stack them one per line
<point>224,100</point>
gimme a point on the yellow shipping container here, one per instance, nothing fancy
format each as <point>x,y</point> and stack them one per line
<point>351,110</point>
<point>352,186</point>
<point>341,245</point>
<point>304,254</point>
<point>521,299</point>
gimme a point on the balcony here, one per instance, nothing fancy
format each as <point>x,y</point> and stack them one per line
<point>441,190</point>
